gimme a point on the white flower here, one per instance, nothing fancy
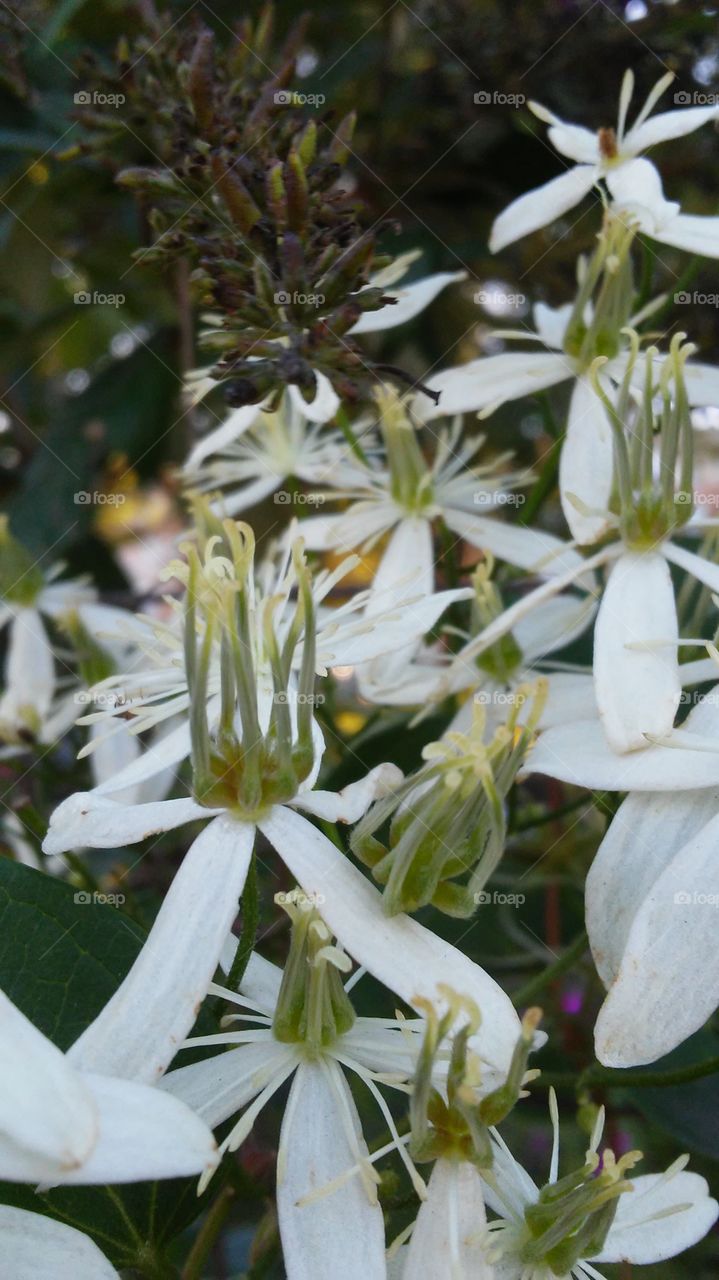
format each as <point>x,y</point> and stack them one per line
<point>407,495</point>
<point>450,1230</point>
<point>35,1247</point>
<point>586,461</point>
<point>65,1126</point>
<point>255,756</point>
<point>652,897</point>
<point>558,1232</point>
<point>330,1218</point>
<point>612,155</point>
<point>255,452</point>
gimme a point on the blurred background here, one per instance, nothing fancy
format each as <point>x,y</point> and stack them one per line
<point>93,346</point>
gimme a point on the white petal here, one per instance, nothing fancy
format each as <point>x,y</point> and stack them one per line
<point>586,464</point>
<point>644,1228</point>
<point>411,299</point>
<point>401,953</point>
<point>542,205</point>
<point>143,1134</point>
<point>490,381</point>
<point>637,188</point>
<point>406,567</point>
<point>580,754</point>
<point>450,1235</point>
<point>218,1087</point>
<point>235,426</point>
<point>527,548</point>
<point>695,234</point>
<point>668,124</point>
<point>34,1247</point>
<point>341,1234</point>
<point>646,833</point>
<point>89,820</point>
<point>551,323</point>
<point>575,142</point>
<point>164,752</point>
<point>705,571</point>
<point>349,804</point>
<point>142,1026</point>
<point>48,1120</point>
<point>554,625</point>
<point>29,668</point>
<point>702,383</point>
<point>638,689</point>
<point>323,405</point>
<point>668,980</point>
<point>570,696</point>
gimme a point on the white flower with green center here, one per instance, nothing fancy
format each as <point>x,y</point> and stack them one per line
<point>251,455</point>
<point>612,156</point>
<point>38,699</point>
<point>575,334</point>
<point>155,696</point>
<point>637,678</point>
<point>256,751</point>
<point>307,1031</point>
<point>597,1213</point>
<point>408,494</point>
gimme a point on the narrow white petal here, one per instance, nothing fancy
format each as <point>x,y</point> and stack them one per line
<point>450,1236</point>
<point>668,124</point>
<point>143,1134</point>
<point>554,625</point>
<point>575,142</point>
<point>141,1028</point>
<point>702,383</point>
<point>695,234</point>
<point>646,1230</point>
<point>235,426</point>
<point>579,753</point>
<point>542,205</point>
<point>34,1247</point>
<point>668,980</point>
<point>570,696</point>
<point>29,668</point>
<point>637,188</point>
<point>703,570</point>
<point>89,820</point>
<point>219,1087</point>
<point>406,567</point>
<point>532,549</point>
<point>349,804</point>
<point>164,753</point>
<point>341,1234</point>
<point>411,300</point>
<point>646,833</point>
<point>551,323</point>
<point>490,381</point>
<point>323,405</point>
<point>401,953</point>
<point>48,1120</point>
<point>637,688</point>
<point>586,465</point>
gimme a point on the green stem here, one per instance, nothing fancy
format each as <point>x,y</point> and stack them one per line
<point>343,423</point>
<point>250,921</point>
<point>622,1077</point>
<point>544,484</point>
<point>194,1268</point>
<point>574,951</point>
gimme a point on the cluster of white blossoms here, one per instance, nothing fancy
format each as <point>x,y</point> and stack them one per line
<point>209,711</point>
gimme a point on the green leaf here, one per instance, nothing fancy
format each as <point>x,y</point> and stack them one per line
<point>61,958</point>
<point>689,1112</point>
